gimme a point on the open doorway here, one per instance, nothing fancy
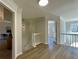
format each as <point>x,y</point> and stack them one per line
<point>6,18</point>
<point>51,33</point>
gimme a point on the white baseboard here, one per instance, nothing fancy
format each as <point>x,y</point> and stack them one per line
<point>37,43</point>
<point>18,54</point>
<point>33,45</point>
<point>45,43</point>
<point>27,48</point>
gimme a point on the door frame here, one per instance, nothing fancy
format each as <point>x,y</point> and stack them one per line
<point>15,32</point>
<point>13,40</point>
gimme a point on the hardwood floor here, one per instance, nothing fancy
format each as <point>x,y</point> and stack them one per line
<point>43,51</point>
<point>5,54</point>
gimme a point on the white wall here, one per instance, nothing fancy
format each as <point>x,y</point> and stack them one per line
<point>35,25</point>
<point>40,28</point>
<point>68,25</point>
<point>62,25</point>
<point>26,41</point>
<point>18,32</point>
<point>27,34</point>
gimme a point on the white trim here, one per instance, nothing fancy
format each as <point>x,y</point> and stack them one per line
<point>19,54</point>
<point>34,45</point>
<point>37,43</point>
<point>10,4</point>
<point>46,43</point>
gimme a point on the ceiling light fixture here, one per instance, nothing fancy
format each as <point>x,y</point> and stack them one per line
<point>43,2</point>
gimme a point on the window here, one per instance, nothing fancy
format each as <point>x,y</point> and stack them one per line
<point>74,27</point>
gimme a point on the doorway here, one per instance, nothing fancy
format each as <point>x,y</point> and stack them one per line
<point>51,33</point>
<point>6,18</point>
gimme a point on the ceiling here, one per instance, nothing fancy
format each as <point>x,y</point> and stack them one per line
<point>65,8</point>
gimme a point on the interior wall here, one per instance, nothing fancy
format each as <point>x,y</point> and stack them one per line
<point>62,29</point>
<point>18,32</point>
<point>1,13</point>
<point>68,25</point>
<point>26,41</point>
<point>36,25</point>
<point>7,14</point>
<point>29,26</point>
<point>62,26</point>
<point>40,28</point>
<point>58,30</point>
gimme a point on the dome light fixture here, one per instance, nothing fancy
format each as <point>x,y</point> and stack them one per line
<point>43,2</point>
